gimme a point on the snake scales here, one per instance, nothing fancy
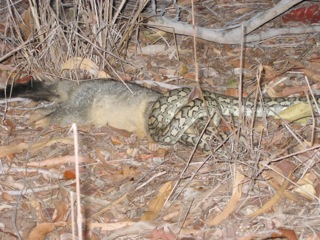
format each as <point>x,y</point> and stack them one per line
<point>173,114</point>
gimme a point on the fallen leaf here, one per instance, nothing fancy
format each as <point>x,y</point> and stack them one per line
<point>58,161</point>
<point>295,112</point>
<point>17,148</point>
<point>157,202</point>
<point>7,197</point>
<point>183,69</point>
<point>115,141</point>
<point>27,24</point>
<point>236,196</point>
<point>152,49</point>
<point>307,190</point>
<point>84,64</point>
<point>40,231</point>
<point>285,233</point>
<point>306,186</point>
<point>62,210</point>
<point>155,35</point>
<point>268,205</point>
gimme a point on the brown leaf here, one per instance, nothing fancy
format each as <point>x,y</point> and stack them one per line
<point>190,76</point>
<point>115,141</point>
<point>286,166</point>
<point>129,171</point>
<point>285,233</point>
<point>84,64</point>
<point>7,197</point>
<point>40,231</point>
<point>157,202</point>
<point>16,148</point>
<point>236,196</point>
<point>273,200</point>
<point>62,210</point>
<point>9,125</point>
<point>26,26</point>
<point>58,161</point>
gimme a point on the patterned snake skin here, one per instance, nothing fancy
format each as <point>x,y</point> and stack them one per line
<point>173,114</point>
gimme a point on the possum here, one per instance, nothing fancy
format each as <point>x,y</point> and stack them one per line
<point>96,102</point>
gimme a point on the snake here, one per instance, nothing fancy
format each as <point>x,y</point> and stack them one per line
<point>173,114</point>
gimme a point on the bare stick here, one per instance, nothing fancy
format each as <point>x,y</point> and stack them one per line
<point>76,154</point>
<point>232,37</point>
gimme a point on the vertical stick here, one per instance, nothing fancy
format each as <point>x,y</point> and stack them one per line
<point>76,155</point>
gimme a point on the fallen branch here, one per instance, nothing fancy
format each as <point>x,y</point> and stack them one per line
<point>226,36</point>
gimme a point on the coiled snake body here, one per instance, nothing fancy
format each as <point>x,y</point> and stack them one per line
<point>173,114</point>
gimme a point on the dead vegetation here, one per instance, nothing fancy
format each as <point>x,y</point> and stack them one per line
<point>262,183</point>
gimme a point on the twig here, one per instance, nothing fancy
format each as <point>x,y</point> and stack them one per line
<point>78,200</point>
<point>39,189</point>
<point>50,173</point>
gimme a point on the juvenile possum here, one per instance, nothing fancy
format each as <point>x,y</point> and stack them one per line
<point>98,102</point>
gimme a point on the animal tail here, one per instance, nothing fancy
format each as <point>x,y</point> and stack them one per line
<point>32,89</point>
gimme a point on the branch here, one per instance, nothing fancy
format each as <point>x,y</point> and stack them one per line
<point>233,36</point>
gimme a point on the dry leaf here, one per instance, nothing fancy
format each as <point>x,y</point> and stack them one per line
<point>84,64</point>
<point>40,231</point>
<point>236,195</point>
<point>152,49</point>
<point>5,206</point>
<point>295,112</point>
<point>243,10</point>
<point>183,69</point>
<point>286,166</point>
<point>306,186</point>
<point>157,202</point>
<point>268,205</point>
<point>153,36</point>
<point>17,148</point>
<point>109,226</point>
<point>7,197</point>
<point>269,72</point>
<point>58,161</point>
<point>129,171</point>
<point>275,176</point>
<point>288,234</point>
<point>62,210</point>
<point>189,75</point>
<point>115,141</point>
<point>27,25</point>
<point>308,191</point>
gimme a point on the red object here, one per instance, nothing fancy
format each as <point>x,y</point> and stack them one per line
<point>306,15</point>
<point>69,174</point>
<point>24,80</point>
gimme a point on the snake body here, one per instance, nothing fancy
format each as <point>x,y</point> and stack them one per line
<point>173,114</point>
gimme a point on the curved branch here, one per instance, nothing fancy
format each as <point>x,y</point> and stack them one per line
<point>282,31</point>
<point>233,36</point>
